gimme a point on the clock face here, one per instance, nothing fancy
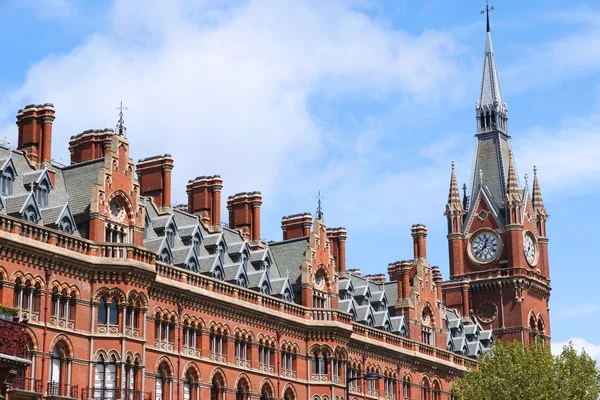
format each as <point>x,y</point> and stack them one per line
<point>485,246</point>
<point>529,248</point>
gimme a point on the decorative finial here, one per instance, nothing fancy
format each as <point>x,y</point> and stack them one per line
<point>121,124</point>
<point>464,189</point>
<point>487,10</point>
<point>452,164</point>
<point>481,176</point>
<point>319,207</point>
<point>534,170</point>
<point>45,164</point>
<point>526,179</point>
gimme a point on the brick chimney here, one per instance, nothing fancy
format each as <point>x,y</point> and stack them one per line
<point>296,226</point>
<point>419,234</point>
<point>35,132</point>
<point>90,145</point>
<point>204,198</point>
<point>355,271</point>
<point>154,176</point>
<point>377,278</point>
<point>244,214</point>
<point>337,239</point>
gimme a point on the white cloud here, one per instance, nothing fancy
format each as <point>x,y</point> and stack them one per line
<point>578,343</point>
<point>567,158</point>
<point>226,90</point>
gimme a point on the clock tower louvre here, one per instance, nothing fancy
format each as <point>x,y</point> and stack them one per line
<point>498,248</point>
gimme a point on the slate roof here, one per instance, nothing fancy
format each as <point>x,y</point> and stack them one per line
<point>289,256</point>
<point>79,180</point>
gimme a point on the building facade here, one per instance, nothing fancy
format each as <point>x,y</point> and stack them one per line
<point>126,296</point>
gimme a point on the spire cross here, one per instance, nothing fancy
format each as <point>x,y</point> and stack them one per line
<point>319,207</point>
<point>121,124</point>
<point>487,10</point>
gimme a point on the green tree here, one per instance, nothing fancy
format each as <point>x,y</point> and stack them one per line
<point>516,372</point>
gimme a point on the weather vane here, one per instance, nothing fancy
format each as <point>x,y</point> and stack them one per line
<point>487,10</point>
<point>319,207</point>
<point>121,124</point>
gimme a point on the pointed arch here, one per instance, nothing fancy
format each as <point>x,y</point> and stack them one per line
<point>165,364</point>
<point>289,392</point>
<point>267,389</point>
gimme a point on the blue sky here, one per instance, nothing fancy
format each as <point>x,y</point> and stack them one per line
<point>367,101</point>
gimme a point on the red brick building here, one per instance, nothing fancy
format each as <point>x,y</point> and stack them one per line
<point>126,296</point>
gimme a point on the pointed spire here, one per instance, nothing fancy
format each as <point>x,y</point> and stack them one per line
<point>465,201</point>
<point>536,200</point>
<point>319,207</point>
<point>121,129</point>
<point>513,186</point>
<point>490,84</point>
<point>453,195</point>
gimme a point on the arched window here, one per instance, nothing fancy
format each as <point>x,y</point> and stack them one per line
<point>406,386</point>
<point>319,363</point>
<point>132,319</point>
<point>425,390</point>
<point>197,244</point>
<point>436,392</point>
<point>59,371</point>
<point>243,390</point>
<point>288,361</point>
<point>241,350</point>
<point>217,345</point>
<point>6,181</point>
<point>217,389</point>
<point>132,378</point>
<point>108,313</point>
<point>389,384</point>
<point>164,256</point>
<point>266,392</point>
<point>265,355</point>
<point>41,193</point>
<point>170,234</point>
<point>192,265</point>
<point>30,215</point>
<point>65,225</point>
<point>26,298</point>
<point>105,378</point>
<point>165,330</point>
<point>289,394</point>
<point>190,385</point>
<point>162,384</point>
<point>354,373</point>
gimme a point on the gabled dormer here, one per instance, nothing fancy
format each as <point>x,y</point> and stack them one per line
<point>40,184</point>
<point>59,217</point>
<point>8,174</point>
<point>30,210</point>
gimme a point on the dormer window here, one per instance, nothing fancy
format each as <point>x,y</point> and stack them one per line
<point>30,215</point>
<point>65,225</point>
<point>170,234</point>
<point>41,194</point>
<point>197,243</point>
<point>6,181</point>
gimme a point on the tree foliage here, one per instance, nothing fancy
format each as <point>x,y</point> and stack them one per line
<point>516,372</point>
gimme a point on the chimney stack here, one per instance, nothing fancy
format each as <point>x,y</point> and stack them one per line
<point>90,145</point>
<point>154,176</point>
<point>296,226</point>
<point>244,214</point>
<point>337,239</point>
<point>377,278</point>
<point>437,279</point>
<point>35,132</point>
<point>419,234</point>
<point>204,198</point>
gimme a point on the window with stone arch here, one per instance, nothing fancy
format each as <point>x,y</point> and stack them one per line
<point>436,390</point>
<point>163,381</point>
<point>266,354</point>
<point>243,349</point>
<point>64,307</point>
<point>60,368</point>
<point>267,392</point>
<point>41,193</point>
<point>532,327</point>
<point>108,311</point>
<point>320,356</point>
<point>217,387</point>
<point>116,231</point>
<point>105,377</point>
<point>406,385</point>
<point>288,359</point>
<point>133,373</point>
<point>27,297</point>
<point>289,393</point>
<point>425,389</point>
<point>7,180</point>
<point>243,389</point>
<point>218,342</point>
<point>134,314</point>
<point>191,383</point>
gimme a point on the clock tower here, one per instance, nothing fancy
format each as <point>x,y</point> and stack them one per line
<point>497,239</point>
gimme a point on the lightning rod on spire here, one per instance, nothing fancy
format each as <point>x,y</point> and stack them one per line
<point>487,10</point>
